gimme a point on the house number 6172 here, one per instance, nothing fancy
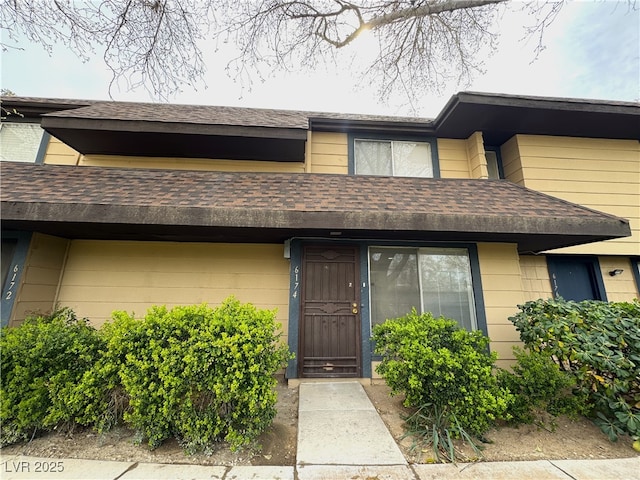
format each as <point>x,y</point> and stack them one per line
<point>12,282</point>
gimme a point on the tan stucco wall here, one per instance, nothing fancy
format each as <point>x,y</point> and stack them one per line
<point>39,284</point>
<point>103,276</point>
<point>601,174</point>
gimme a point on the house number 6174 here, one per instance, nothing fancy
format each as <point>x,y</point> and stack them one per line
<point>296,281</point>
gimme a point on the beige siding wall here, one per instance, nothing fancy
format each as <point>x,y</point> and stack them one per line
<point>598,173</point>
<point>454,162</point>
<point>535,277</point>
<point>191,164</point>
<point>103,276</point>
<point>621,288</point>
<point>537,284</point>
<point>511,161</point>
<point>60,153</point>
<point>41,276</point>
<point>327,153</point>
<point>502,288</point>
<point>477,159</point>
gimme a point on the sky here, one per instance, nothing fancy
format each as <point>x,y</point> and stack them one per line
<point>592,50</point>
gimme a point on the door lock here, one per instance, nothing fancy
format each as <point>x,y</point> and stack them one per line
<point>355,308</point>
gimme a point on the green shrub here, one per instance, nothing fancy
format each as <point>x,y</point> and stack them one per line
<point>42,360</point>
<point>539,385</point>
<point>597,342</point>
<point>443,370</point>
<point>200,374</point>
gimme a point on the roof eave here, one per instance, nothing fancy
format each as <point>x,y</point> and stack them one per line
<point>531,234</point>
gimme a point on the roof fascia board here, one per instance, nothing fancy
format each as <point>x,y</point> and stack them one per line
<point>272,218</point>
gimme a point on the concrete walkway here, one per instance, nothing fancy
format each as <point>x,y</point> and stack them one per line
<point>340,436</point>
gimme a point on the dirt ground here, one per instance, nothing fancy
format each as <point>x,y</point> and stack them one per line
<point>570,440</point>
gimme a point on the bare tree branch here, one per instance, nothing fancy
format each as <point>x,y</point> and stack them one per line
<point>421,45</point>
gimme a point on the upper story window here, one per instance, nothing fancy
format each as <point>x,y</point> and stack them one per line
<point>494,162</point>
<point>20,142</point>
<point>401,157</point>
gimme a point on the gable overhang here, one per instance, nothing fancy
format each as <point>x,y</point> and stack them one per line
<point>500,117</point>
<point>108,203</point>
<point>97,136</point>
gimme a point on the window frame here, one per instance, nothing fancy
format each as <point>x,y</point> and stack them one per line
<point>474,266</point>
<point>420,253</point>
<point>393,137</point>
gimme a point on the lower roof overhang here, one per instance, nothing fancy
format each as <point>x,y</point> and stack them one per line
<point>181,205</point>
<point>188,224</point>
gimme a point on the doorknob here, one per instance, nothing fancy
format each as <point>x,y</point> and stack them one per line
<point>354,310</point>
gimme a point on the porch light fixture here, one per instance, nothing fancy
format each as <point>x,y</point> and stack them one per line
<point>617,271</point>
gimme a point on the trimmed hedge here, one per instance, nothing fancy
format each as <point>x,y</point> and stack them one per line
<point>434,362</point>
<point>42,361</point>
<point>199,374</point>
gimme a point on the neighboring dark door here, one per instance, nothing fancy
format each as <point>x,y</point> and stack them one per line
<point>576,278</point>
<point>330,312</point>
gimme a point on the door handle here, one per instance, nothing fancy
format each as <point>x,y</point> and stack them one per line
<point>355,308</point>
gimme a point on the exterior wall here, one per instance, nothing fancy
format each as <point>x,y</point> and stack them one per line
<point>536,282</point>
<point>502,289</point>
<point>621,288</point>
<point>39,285</point>
<point>454,162</point>
<point>191,164</point>
<point>101,276</point>
<point>598,173</point>
<point>535,277</point>
<point>475,154</point>
<point>60,153</point>
<point>327,153</point>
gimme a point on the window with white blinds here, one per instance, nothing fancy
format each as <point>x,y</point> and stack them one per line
<point>20,142</point>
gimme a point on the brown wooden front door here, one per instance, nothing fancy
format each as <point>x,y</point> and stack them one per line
<point>330,312</point>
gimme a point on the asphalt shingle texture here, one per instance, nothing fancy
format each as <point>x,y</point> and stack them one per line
<point>29,183</point>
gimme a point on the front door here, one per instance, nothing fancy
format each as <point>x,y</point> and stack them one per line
<point>330,312</point>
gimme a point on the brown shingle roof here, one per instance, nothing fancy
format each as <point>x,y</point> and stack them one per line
<point>491,209</point>
<point>197,114</point>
